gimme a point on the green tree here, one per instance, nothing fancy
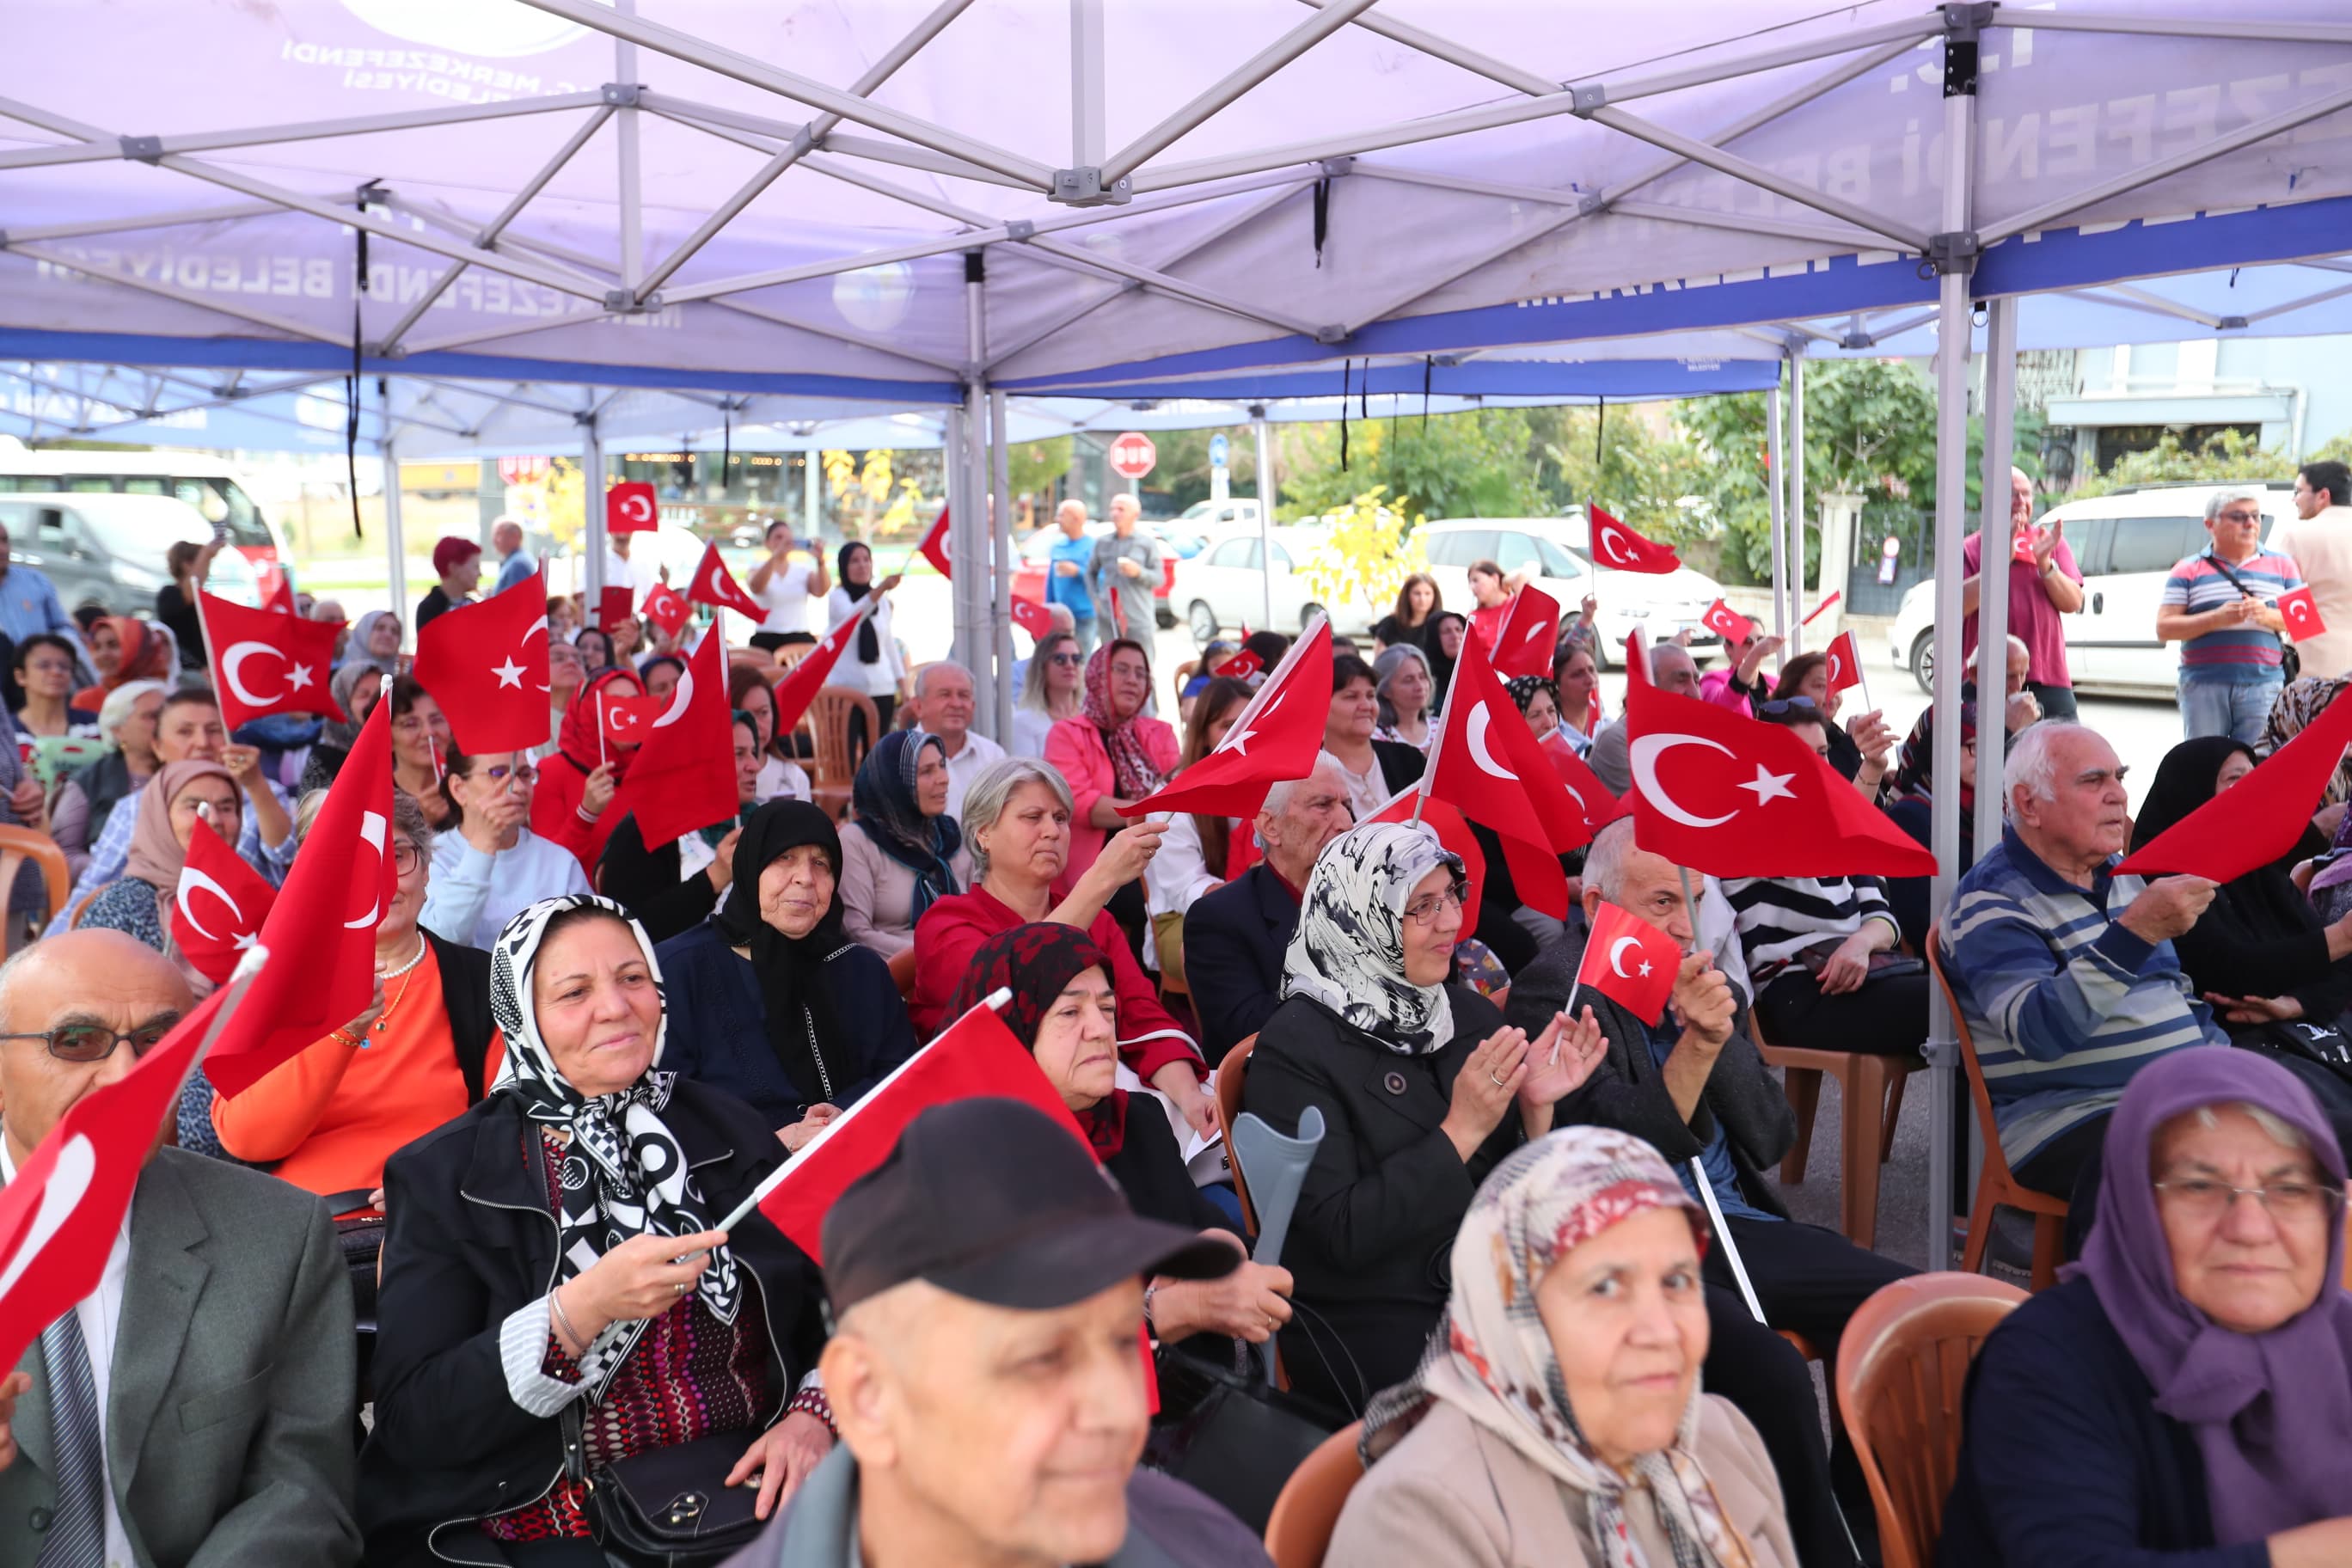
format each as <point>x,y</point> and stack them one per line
<point>1454,465</point>
<point>2229,455</point>
<point>1034,467</point>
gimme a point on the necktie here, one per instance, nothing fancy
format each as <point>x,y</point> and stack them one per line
<point>77,1537</point>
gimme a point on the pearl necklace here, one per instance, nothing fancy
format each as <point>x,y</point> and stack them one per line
<point>384,1019</point>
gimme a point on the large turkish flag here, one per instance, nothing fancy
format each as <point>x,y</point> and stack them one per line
<point>1274,739</point>
<point>1530,630</point>
<point>683,777</point>
<point>714,585</point>
<point>265,663</point>
<point>486,665</point>
<point>2257,819</point>
<point>1621,549</point>
<point>219,908</point>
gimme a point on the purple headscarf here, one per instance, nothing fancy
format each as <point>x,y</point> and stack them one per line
<point>2271,1411</point>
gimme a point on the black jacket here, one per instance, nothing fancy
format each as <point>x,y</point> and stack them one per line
<point>1628,1089</point>
<point>1400,765</point>
<point>466,993</point>
<point>1371,1248</point>
<point>471,1239</point>
<point>646,882</point>
<point>1234,938</point>
<point>1150,1169</point>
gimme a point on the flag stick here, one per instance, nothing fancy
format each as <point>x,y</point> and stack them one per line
<point>1568,1010</point>
<point>1722,1235</point>
<point>601,758</point>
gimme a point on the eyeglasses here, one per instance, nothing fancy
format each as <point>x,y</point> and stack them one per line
<point>511,773</point>
<point>1068,661</point>
<point>2202,1198</point>
<point>96,1042</point>
<point>1425,909</point>
<point>1789,705</point>
<point>405,857</point>
<point>2241,517</point>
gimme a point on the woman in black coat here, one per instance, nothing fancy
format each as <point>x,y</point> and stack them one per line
<point>1417,1080</point>
<point>569,1176</point>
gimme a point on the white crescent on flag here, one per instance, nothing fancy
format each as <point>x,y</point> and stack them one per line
<point>70,1178</point>
<point>1611,540</point>
<point>636,508</point>
<point>190,879</point>
<point>1617,953</point>
<point>1643,755</point>
<point>677,701</point>
<point>1834,666</point>
<point>371,832</point>
<point>233,667</point>
<point>1476,735</point>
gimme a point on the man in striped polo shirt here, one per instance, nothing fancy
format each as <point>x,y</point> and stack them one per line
<point>2064,972</point>
<point>2221,607</point>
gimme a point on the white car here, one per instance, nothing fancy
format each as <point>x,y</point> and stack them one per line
<point>1222,588</point>
<point>1555,550</point>
<point>2125,544</point>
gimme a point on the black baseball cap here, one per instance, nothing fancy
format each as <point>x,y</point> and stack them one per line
<point>994,1200</point>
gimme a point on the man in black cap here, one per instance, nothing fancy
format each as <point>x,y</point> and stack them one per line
<point>984,1374</point>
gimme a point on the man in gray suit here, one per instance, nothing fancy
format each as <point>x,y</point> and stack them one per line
<point>195,1412</point>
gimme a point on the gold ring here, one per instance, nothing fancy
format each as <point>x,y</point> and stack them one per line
<point>1497,1081</point>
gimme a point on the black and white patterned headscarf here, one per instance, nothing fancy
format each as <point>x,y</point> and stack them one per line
<point>623,1173</point>
<point>1348,953</point>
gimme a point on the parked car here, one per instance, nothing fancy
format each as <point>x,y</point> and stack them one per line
<point>2127,544</point>
<point>1224,587</point>
<point>1031,556</point>
<point>104,549</point>
<point>212,484</point>
<point>1556,549</point>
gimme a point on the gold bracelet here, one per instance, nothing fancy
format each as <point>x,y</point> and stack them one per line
<point>343,1036</point>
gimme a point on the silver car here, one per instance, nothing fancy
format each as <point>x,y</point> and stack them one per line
<point>107,550</point>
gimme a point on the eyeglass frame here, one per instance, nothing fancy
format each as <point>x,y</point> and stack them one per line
<point>1070,660</point>
<point>1455,893</point>
<point>1797,704</point>
<point>116,1039</point>
<point>403,844</point>
<point>2331,1197</point>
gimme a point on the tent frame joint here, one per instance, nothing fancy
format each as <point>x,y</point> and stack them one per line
<point>1019,228</point>
<point>1333,332</point>
<point>2226,324</point>
<point>1587,97</point>
<point>625,302</point>
<point>1083,187</point>
<point>621,94</point>
<point>143,149</point>
<point>1956,250</point>
<point>1964,19</point>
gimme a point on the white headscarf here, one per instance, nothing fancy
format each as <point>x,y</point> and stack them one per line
<point>1348,953</point>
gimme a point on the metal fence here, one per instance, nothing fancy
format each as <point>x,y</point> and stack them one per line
<point>1913,531</point>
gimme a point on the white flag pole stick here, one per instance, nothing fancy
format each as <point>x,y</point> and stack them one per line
<point>601,758</point>
<point>1568,1011</point>
<point>1722,1235</point>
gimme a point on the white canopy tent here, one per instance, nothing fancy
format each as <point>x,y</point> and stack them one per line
<point>909,206</point>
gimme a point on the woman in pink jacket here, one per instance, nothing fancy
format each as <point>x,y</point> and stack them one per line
<point>1111,752</point>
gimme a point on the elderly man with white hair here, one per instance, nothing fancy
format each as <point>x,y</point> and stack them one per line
<point>515,564</point>
<point>1122,574</point>
<point>943,707</point>
<point>1235,938</point>
<point>2021,708</point>
<point>2065,972</point>
<point>2221,607</point>
<point>2044,586</point>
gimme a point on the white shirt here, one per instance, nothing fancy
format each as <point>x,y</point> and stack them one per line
<point>963,767</point>
<point>786,598</point>
<point>624,572</point>
<point>879,678</point>
<point>101,1314</point>
<point>779,777</point>
<point>1030,728</point>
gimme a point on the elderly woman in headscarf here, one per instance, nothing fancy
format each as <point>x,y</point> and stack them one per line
<point>2184,1395</point>
<point>179,801</point>
<point>903,853</point>
<point>356,688</point>
<point>1536,698</point>
<point>1064,1006</point>
<point>1112,753</point>
<point>589,1266</point>
<point>1557,1416</point>
<point>88,795</point>
<point>1423,1088</point>
<point>375,640</point>
<point>770,1001</point>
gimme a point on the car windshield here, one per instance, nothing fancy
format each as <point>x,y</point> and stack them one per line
<point>142,532</point>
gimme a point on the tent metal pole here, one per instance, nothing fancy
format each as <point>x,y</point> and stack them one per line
<point>680,46</point>
<point>838,333</point>
<point>592,502</point>
<point>1942,1048</point>
<point>2165,168</point>
<point>1774,228</point>
<point>493,334</point>
<point>2294,305</point>
<point>1328,19</point>
<point>1796,453</point>
<point>1000,564</point>
<point>396,544</point>
<point>969,527</point>
<point>161,220</point>
<point>1269,493</point>
<point>1532,83</point>
<point>630,183</point>
<point>101,147</point>
<point>2187,28</point>
<point>1089,86</point>
<point>1775,493</point>
<point>1993,570</point>
<point>1755,174</point>
<point>1882,330</point>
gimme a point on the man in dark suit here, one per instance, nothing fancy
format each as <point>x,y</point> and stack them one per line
<point>196,1410</point>
<point>1235,938</point>
<point>1694,1086</point>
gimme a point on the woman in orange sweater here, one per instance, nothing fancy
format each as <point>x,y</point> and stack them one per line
<point>424,1050</point>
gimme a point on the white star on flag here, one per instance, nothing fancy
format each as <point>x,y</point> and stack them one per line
<point>1646,969</point>
<point>1770,786</point>
<point>1238,741</point>
<point>509,673</point>
<point>297,676</point>
<point>245,941</point>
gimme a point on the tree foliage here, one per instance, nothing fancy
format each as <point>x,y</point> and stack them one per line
<point>1474,464</point>
<point>1369,552</point>
<point>1033,467</point>
<point>2229,455</point>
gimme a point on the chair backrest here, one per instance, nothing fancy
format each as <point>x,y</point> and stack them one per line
<point>1995,1161</point>
<point>1298,1530</point>
<point>1903,1370</point>
<point>81,906</point>
<point>1232,1073</point>
<point>829,711</point>
<point>18,845</point>
<point>902,971</point>
<point>789,655</point>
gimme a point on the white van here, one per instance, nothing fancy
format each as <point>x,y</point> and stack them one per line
<point>2127,544</point>
<point>212,484</point>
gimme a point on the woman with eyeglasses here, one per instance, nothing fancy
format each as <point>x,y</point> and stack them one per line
<point>420,747</point>
<point>2183,1395</point>
<point>1860,749</point>
<point>492,867</point>
<point>44,675</point>
<point>1423,1088</point>
<point>421,1051</point>
<point>1051,692</point>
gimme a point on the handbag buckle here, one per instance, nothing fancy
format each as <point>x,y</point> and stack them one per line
<point>687,1507</point>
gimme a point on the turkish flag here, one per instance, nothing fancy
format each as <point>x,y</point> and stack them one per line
<point>221,904</point>
<point>1452,831</point>
<point>1631,961</point>
<point>486,665</point>
<point>667,610</point>
<point>614,606</point>
<point>2020,546</point>
<point>59,1217</point>
<point>1529,631</point>
<point>1595,714</point>
<point>1583,785</point>
<point>281,598</point>
<point>628,720</point>
<point>320,934</point>
<point>2257,819</point>
<point>1845,661</point>
<point>714,585</point>
<point>1488,762</point>
<point>1033,618</point>
<point>1725,623</point>
<point>799,687</point>
<point>630,508</point>
<point>1815,613</point>
<point>266,663</point>
<point>934,547</point>
<point>1717,792</point>
<point>1621,549</point>
<point>683,777</point>
<point>2301,609</point>
<point>1242,666</point>
<point>1274,739</point>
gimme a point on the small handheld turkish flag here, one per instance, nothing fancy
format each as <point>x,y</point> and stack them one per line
<point>614,606</point>
<point>266,663</point>
<point>714,585</point>
<point>2301,609</point>
<point>799,687</point>
<point>1621,549</point>
<point>1242,666</point>
<point>684,775</point>
<point>218,907</point>
<point>281,598</point>
<point>2259,817</point>
<point>2020,546</point>
<point>628,720</point>
<point>1726,623</point>
<point>1486,761</point>
<point>934,547</point>
<point>1844,667</point>
<point>630,508</point>
<point>1274,739</point>
<point>1033,618</point>
<point>1595,713</point>
<point>1631,961</point>
<point>666,609</point>
<point>486,665</point>
<point>1530,630</point>
<point>1815,613</point>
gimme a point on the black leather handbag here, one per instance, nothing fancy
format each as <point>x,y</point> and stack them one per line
<point>669,1508</point>
<point>1230,1434</point>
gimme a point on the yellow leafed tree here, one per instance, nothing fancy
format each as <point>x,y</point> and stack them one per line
<point>1369,553</point>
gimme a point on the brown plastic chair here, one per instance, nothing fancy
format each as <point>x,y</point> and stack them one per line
<point>1865,1141</point>
<point>18,845</point>
<point>1298,1530</point>
<point>1231,1074</point>
<point>902,971</point>
<point>836,758</point>
<point>1996,1187</point>
<point>1903,1373</point>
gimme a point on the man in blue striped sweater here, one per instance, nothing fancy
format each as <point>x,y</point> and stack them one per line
<point>2064,972</point>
